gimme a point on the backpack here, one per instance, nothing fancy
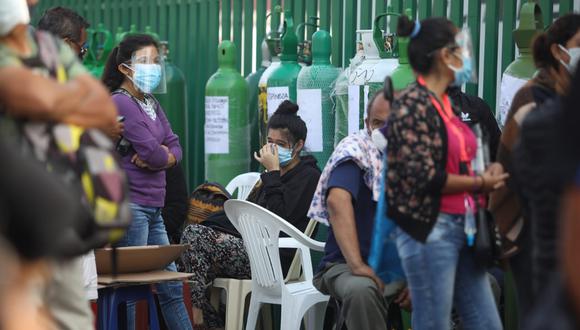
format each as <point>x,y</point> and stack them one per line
<point>83,159</point>
<point>207,199</point>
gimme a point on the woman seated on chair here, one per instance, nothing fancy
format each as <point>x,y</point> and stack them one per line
<point>286,188</point>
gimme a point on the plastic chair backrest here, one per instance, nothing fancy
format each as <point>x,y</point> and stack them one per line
<point>294,272</point>
<point>243,183</point>
<point>260,230</point>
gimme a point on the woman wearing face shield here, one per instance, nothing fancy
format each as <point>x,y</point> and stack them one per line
<point>286,188</point>
<point>148,147</point>
<point>431,183</point>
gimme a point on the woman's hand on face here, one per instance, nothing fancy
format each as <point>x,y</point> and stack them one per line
<point>269,157</point>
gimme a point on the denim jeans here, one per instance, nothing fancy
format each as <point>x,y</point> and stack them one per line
<point>147,228</point>
<point>442,273</point>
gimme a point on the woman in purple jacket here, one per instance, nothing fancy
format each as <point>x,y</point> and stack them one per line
<point>148,147</point>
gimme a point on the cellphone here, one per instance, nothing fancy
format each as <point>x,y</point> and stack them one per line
<point>120,119</point>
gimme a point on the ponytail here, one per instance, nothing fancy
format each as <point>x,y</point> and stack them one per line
<point>112,77</point>
<point>561,31</point>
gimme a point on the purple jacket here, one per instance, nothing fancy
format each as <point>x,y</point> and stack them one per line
<point>146,137</point>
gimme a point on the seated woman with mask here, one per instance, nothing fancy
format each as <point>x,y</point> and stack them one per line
<point>286,188</point>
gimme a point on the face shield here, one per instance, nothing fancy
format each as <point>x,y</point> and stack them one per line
<point>465,52</point>
<point>13,13</point>
<point>148,71</point>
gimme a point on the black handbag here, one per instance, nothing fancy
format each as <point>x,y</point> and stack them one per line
<point>487,245</point>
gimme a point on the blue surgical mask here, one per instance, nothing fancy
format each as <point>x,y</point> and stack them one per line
<point>146,77</point>
<point>463,75</point>
<point>284,156</point>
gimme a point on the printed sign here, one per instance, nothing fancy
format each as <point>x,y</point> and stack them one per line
<point>217,130</point>
<point>353,108</point>
<point>508,89</point>
<point>276,95</point>
<point>310,104</point>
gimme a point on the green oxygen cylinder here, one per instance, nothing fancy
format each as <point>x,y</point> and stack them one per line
<point>380,61</point>
<point>340,93</point>
<point>149,31</point>
<point>89,60</point>
<point>315,85</point>
<point>282,82</point>
<point>403,75</point>
<point>253,81</point>
<point>101,45</point>
<point>275,48</point>
<point>227,129</point>
<point>305,46</point>
<point>523,68</point>
<point>174,102</point>
<point>119,35</point>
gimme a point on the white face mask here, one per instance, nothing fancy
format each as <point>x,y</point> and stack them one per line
<point>574,54</point>
<point>13,13</point>
<point>379,140</point>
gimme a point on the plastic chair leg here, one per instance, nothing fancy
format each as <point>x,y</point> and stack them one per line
<point>314,317</point>
<point>253,313</point>
<point>234,311</point>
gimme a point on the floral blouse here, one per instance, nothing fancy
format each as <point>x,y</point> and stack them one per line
<point>417,157</point>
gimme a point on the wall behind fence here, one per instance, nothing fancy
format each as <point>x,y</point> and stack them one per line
<point>195,27</point>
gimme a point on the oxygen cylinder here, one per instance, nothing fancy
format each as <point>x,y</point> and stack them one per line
<point>174,101</point>
<point>89,60</point>
<point>253,81</point>
<point>403,75</point>
<point>149,31</point>
<point>227,134</point>
<point>282,82</point>
<point>315,85</point>
<point>101,45</point>
<point>305,46</point>
<point>340,94</point>
<point>523,68</point>
<point>274,47</point>
<point>119,35</point>
<point>379,62</point>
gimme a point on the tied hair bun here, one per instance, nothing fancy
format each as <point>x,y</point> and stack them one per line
<point>405,26</point>
<point>287,108</point>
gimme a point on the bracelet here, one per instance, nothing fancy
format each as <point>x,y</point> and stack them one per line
<point>480,188</point>
<point>474,189</point>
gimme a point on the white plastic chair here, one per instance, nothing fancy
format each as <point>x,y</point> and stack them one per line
<point>260,230</point>
<point>243,183</point>
<point>236,293</point>
<point>236,290</point>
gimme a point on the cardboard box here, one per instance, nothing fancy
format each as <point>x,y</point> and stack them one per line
<point>139,264</point>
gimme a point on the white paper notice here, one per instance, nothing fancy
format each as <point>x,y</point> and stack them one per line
<point>217,130</point>
<point>276,95</point>
<point>509,87</point>
<point>366,94</point>
<point>353,108</point>
<point>310,104</point>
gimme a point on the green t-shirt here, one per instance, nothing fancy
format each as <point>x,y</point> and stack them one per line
<point>63,55</point>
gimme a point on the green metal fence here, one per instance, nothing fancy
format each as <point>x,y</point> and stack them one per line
<point>194,28</point>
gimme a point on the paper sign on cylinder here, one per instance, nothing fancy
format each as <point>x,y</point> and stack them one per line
<point>310,110</point>
<point>217,125</point>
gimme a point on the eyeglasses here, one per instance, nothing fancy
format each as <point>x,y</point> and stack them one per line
<point>82,48</point>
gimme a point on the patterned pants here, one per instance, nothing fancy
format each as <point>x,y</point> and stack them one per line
<point>211,254</point>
